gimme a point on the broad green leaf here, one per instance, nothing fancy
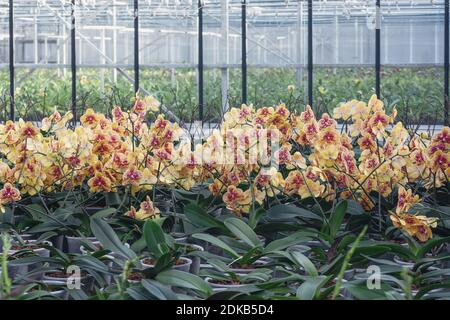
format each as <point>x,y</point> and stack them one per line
<point>217,242</point>
<point>336,219</point>
<point>200,218</point>
<point>354,208</point>
<point>104,213</point>
<point>289,212</point>
<point>183,279</point>
<point>160,291</point>
<point>112,199</point>
<point>109,240</point>
<point>285,242</point>
<point>155,238</point>
<point>308,289</point>
<point>241,230</point>
<point>304,261</point>
<point>430,245</point>
<point>361,292</point>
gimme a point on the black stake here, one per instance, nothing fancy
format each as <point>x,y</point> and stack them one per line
<point>11,60</point>
<point>73,58</point>
<point>310,53</point>
<point>136,46</point>
<point>244,50</point>
<point>446,62</point>
<point>377,48</point>
<point>200,61</point>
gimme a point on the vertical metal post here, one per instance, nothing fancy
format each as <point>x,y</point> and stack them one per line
<point>244,50</point>
<point>114,40</point>
<point>299,43</point>
<point>73,62</point>
<point>103,61</point>
<point>200,60</point>
<point>136,46</point>
<point>36,43</point>
<point>336,40</point>
<point>64,48</point>
<point>377,47</point>
<point>225,45</point>
<point>11,60</point>
<point>310,53</point>
<point>446,61</point>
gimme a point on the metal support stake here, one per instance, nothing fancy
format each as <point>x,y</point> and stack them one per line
<point>136,46</point>
<point>11,60</point>
<point>310,53</point>
<point>73,63</point>
<point>377,48</point>
<point>446,62</point>
<point>244,50</point>
<point>225,45</point>
<point>200,60</point>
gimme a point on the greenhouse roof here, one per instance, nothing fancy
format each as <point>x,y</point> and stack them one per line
<point>261,12</point>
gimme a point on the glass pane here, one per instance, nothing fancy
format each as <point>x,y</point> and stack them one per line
<point>412,60</point>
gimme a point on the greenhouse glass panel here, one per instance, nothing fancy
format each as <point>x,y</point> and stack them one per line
<point>412,59</point>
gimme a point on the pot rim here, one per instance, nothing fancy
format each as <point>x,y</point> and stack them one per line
<point>187,261</point>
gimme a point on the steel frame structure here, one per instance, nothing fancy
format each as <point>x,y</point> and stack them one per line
<point>148,16</point>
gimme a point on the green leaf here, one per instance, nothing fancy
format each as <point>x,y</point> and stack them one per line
<point>255,216</point>
<point>109,240</point>
<point>361,292</point>
<point>336,219</point>
<point>217,242</point>
<point>104,213</point>
<point>112,199</point>
<point>183,279</point>
<point>37,212</point>
<point>200,218</point>
<point>241,230</point>
<point>304,261</point>
<point>283,243</point>
<point>289,212</point>
<point>160,291</point>
<point>155,238</point>
<point>430,245</point>
<point>308,289</point>
<point>354,208</point>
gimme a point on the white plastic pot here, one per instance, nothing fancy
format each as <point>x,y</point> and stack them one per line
<point>74,243</point>
<point>185,266</point>
<point>218,287</point>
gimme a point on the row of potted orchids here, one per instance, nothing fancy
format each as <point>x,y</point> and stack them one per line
<point>272,204</point>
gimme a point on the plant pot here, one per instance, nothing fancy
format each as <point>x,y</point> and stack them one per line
<point>25,236</point>
<point>17,273</point>
<point>135,277</point>
<point>58,242</point>
<point>74,243</point>
<point>179,237</point>
<point>43,252</point>
<point>86,281</point>
<point>61,293</point>
<point>85,251</point>
<point>218,287</point>
<point>196,261</point>
<point>184,266</point>
<point>260,263</point>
